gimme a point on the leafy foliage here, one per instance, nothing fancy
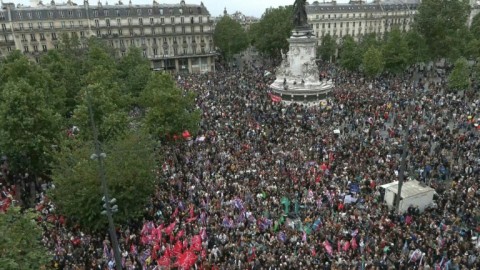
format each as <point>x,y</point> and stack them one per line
<point>475,26</point>
<point>417,46</point>
<point>373,62</point>
<point>442,22</point>
<point>350,56</point>
<point>327,48</point>
<point>395,52</point>
<point>270,34</point>
<point>134,72</point>
<point>20,241</point>
<point>169,111</point>
<point>369,40</point>
<point>17,67</point>
<point>29,127</point>
<point>230,37</point>
<point>109,115</point>
<point>459,79</point>
<point>130,178</point>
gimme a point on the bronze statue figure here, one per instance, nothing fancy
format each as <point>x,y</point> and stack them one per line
<point>299,13</point>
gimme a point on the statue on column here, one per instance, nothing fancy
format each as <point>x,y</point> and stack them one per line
<point>299,13</point>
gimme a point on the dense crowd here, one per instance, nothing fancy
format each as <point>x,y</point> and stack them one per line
<point>263,185</point>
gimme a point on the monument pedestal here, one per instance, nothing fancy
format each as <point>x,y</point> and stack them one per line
<point>297,78</point>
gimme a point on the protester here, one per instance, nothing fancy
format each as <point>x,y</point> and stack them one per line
<point>263,185</point>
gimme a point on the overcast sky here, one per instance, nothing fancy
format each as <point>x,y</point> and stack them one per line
<point>247,7</point>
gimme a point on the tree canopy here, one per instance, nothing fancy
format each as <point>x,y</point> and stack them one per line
<point>230,37</point>
<point>327,48</point>
<point>373,62</point>
<point>20,241</point>
<point>395,51</point>
<point>350,55</point>
<point>169,111</point>
<point>270,34</point>
<point>459,79</point>
<point>441,23</point>
<point>130,177</point>
<point>30,122</point>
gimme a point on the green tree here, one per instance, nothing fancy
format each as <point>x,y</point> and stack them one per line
<point>476,73</point>
<point>66,72</point>
<point>270,34</point>
<point>395,52</point>
<point>373,62</point>
<point>109,113</point>
<point>475,26</point>
<point>134,72</point>
<point>230,37</point>
<point>367,41</point>
<point>102,90</point>
<point>129,165</point>
<point>350,56</point>
<point>169,111</point>
<point>417,47</point>
<point>20,241</point>
<point>441,23</point>
<point>29,127</point>
<point>472,50</point>
<point>327,48</point>
<point>459,79</point>
<point>17,67</point>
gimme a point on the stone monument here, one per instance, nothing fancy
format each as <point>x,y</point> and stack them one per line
<point>297,77</point>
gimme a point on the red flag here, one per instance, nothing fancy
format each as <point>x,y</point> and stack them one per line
<point>275,98</point>
<point>253,255</point>
<point>177,248</point>
<point>175,213</point>
<point>164,261</point>
<point>186,135</point>
<point>196,243</point>
<point>192,212</point>
<point>180,234</point>
<point>170,228</point>
<point>186,260</point>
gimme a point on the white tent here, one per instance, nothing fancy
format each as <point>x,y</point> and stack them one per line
<point>413,194</point>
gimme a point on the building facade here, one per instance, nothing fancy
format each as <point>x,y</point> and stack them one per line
<point>358,18</point>
<point>175,37</point>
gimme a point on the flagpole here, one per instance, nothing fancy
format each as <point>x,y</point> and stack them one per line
<point>99,156</point>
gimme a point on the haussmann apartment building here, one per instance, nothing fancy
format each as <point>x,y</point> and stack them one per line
<point>174,37</point>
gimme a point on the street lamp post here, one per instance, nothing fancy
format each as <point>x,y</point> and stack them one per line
<point>100,156</point>
<point>403,163</point>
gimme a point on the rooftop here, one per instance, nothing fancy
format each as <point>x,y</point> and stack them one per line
<point>409,189</point>
<point>360,6</point>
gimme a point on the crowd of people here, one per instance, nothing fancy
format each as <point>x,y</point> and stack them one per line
<point>264,185</point>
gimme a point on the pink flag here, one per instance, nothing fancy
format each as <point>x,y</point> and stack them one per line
<point>354,244</point>
<point>180,234</point>
<point>169,229</point>
<point>346,246</point>
<point>327,247</point>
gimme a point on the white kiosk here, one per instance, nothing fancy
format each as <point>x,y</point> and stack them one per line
<point>413,194</point>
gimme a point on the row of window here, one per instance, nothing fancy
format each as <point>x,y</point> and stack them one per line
<point>152,21</point>
<point>26,48</point>
<point>79,13</point>
<point>389,21</point>
<point>141,31</point>
<point>334,16</point>
<point>71,24</point>
<point>352,32</point>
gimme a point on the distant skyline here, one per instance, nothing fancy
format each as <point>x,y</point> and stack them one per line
<point>248,7</point>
